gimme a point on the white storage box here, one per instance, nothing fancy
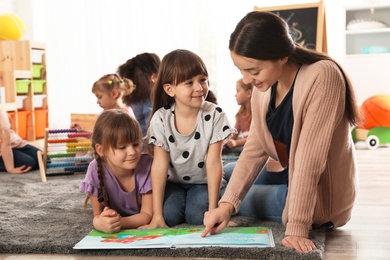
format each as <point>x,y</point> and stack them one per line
<point>19,101</point>
<point>38,101</point>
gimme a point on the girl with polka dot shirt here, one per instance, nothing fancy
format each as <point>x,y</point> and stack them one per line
<point>187,134</point>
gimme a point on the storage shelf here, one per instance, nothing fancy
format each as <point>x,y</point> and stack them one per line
<point>367,55</point>
<point>364,7</point>
<point>368,31</point>
<point>9,106</point>
<point>27,107</point>
<point>38,46</point>
<point>23,74</point>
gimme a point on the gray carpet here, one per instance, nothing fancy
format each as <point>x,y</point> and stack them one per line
<point>48,218</point>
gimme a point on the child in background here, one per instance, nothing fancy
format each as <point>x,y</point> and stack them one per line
<point>243,118</point>
<point>16,155</point>
<point>118,179</point>
<point>109,91</point>
<point>187,134</point>
<point>142,70</point>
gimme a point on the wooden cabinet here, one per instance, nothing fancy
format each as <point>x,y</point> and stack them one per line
<point>23,75</point>
<point>367,48</point>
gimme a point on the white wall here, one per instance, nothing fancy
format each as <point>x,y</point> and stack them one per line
<point>88,38</point>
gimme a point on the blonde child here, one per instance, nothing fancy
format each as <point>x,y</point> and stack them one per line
<point>187,134</point>
<point>109,91</point>
<point>118,179</point>
<point>243,118</point>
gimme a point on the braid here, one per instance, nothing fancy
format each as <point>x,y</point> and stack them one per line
<point>101,184</point>
<point>101,180</point>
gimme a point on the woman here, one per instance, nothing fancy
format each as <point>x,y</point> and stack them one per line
<point>303,106</point>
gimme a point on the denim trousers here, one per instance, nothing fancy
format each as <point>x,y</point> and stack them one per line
<point>26,155</point>
<point>185,203</point>
<point>267,196</point>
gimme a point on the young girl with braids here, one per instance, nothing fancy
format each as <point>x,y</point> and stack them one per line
<point>110,91</point>
<point>118,180</point>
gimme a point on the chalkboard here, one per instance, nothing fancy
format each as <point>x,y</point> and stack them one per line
<point>306,22</point>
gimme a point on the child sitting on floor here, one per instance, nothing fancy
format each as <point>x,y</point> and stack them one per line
<point>243,118</point>
<point>16,154</point>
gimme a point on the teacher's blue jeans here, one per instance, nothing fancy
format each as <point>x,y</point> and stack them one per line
<point>267,196</point>
<point>185,203</point>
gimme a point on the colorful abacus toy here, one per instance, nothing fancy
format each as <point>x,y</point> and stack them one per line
<point>65,152</point>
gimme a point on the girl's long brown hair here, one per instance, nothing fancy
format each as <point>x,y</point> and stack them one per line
<point>113,127</point>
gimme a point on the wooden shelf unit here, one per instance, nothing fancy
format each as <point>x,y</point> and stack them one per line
<point>16,63</point>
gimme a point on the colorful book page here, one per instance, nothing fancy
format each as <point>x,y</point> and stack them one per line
<point>177,238</point>
<point>228,237</point>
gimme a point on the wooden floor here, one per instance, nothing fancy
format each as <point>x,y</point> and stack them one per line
<point>365,237</point>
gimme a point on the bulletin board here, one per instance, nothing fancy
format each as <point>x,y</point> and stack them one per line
<point>306,22</point>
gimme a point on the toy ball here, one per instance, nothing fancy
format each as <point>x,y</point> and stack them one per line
<point>11,27</point>
<point>376,112</point>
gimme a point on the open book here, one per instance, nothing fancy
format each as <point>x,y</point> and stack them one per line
<point>178,238</point>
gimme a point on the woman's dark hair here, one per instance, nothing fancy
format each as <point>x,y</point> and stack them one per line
<point>176,67</point>
<point>266,36</point>
<point>140,70</point>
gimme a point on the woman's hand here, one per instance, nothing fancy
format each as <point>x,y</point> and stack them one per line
<point>217,219</point>
<point>301,244</point>
<point>109,221</point>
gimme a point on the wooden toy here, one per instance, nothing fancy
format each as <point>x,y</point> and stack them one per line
<point>65,151</point>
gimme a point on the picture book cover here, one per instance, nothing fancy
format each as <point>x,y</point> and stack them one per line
<point>178,238</point>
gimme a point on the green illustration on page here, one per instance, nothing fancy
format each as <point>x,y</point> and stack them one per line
<point>178,238</point>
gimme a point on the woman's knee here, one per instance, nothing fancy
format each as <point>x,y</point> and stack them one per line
<point>264,202</point>
<point>228,170</point>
